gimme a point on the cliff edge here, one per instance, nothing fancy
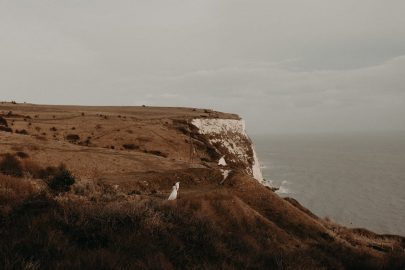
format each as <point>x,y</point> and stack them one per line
<point>110,211</point>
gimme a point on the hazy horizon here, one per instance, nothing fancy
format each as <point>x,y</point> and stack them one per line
<point>285,66</point>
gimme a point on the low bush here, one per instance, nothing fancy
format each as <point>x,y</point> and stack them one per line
<point>3,121</point>
<point>22,132</point>
<point>5,129</point>
<point>130,146</point>
<point>22,155</point>
<point>10,165</point>
<point>59,179</point>
<point>72,137</point>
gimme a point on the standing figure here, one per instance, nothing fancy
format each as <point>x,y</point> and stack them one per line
<point>175,188</point>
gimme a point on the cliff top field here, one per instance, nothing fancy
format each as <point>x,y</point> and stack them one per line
<point>107,142</point>
<point>106,207</point>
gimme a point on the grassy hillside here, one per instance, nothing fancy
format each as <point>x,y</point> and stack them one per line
<point>106,206</point>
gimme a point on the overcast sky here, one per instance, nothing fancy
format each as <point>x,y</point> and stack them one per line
<point>285,66</point>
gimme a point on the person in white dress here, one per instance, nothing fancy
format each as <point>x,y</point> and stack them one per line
<point>175,189</point>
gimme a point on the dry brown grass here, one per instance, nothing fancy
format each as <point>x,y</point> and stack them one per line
<point>138,234</point>
<point>13,191</point>
<point>210,231</point>
<point>59,178</point>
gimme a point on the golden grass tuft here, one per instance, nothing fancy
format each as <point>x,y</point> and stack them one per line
<point>13,191</point>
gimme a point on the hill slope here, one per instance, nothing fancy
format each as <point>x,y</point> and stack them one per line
<point>116,215</point>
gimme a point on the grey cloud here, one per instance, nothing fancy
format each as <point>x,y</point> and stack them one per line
<point>324,96</point>
<point>286,66</point>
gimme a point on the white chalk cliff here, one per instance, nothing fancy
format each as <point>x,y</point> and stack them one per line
<point>230,139</point>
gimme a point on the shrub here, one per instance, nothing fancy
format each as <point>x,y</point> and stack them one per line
<point>3,121</point>
<point>5,129</point>
<point>22,132</point>
<point>157,153</point>
<point>72,137</point>
<point>10,165</point>
<point>22,155</point>
<point>60,179</point>
<point>130,146</point>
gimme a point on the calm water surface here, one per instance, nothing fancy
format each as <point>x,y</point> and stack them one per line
<point>356,180</point>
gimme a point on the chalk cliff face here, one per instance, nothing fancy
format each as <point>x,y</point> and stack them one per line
<point>229,138</point>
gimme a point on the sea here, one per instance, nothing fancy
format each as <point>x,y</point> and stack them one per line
<point>357,180</point>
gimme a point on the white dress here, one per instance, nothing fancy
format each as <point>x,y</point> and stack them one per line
<point>173,195</point>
